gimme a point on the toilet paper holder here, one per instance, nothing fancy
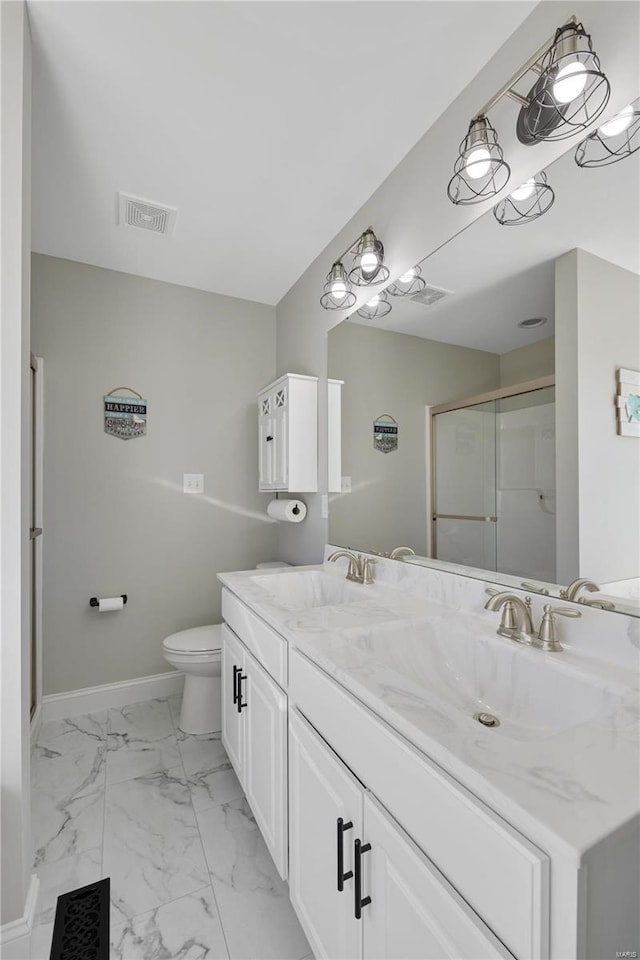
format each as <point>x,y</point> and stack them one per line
<point>94,601</point>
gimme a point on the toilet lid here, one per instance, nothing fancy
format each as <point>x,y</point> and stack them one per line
<point>196,639</point>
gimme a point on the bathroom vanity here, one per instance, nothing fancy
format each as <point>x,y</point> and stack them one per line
<point>405,827</point>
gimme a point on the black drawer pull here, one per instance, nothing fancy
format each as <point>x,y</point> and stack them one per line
<point>236,671</point>
<point>241,705</point>
<point>342,826</point>
<point>358,849</point>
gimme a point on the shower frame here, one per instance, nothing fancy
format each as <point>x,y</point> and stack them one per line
<point>528,386</point>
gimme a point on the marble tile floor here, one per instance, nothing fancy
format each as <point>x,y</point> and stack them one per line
<point>125,794</point>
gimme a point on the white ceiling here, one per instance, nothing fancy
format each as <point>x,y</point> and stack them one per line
<point>267,124</point>
<point>501,275</point>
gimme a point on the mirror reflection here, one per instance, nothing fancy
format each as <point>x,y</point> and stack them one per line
<point>497,385</point>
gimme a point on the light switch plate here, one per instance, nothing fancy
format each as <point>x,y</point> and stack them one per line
<point>193,482</point>
<point>346,485</point>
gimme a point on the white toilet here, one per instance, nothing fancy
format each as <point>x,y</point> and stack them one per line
<point>198,654</point>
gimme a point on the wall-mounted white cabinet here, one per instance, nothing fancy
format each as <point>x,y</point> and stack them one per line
<point>288,435</point>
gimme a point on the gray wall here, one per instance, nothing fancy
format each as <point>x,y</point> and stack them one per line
<point>115,517</point>
<point>598,472</point>
<point>528,363</point>
<point>400,375</point>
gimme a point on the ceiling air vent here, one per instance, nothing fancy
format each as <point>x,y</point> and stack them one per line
<point>430,295</point>
<point>146,215</point>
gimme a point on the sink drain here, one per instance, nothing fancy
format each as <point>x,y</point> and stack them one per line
<point>486,719</point>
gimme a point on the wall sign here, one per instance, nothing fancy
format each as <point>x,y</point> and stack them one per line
<point>125,417</point>
<point>385,434</point>
<point>628,402</point>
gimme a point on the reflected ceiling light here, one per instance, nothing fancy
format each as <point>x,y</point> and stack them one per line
<point>337,292</point>
<point>407,283</point>
<point>616,139</point>
<point>369,261</point>
<point>570,93</point>
<point>530,200</point>
<point>378,306</point>
<point>480,172</point>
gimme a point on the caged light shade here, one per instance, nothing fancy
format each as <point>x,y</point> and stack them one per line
<point>408,283</point>
<point>570,93</point>
<point>369,261</point>
<point>612,141</point>
<point>375,308</point>
<point>337,292</point>
<point>530,200</point>
<point>480,172</point>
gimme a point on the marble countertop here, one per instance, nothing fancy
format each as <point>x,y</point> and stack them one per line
<point>564,790</point>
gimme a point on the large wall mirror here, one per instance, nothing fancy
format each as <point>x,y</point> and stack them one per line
<point>497,449</point>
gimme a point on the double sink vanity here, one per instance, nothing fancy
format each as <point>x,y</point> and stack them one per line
<point>428,787</point>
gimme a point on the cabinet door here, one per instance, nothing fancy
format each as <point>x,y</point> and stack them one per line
<point>266,452</point>
<point>265,758</point>
<point>322,790</point>
<point>414,912</point>
<point>280,451</point>
<point>233,659</point>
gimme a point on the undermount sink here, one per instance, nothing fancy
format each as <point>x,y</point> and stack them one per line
<point>301,590</point>
<point>529,692</point>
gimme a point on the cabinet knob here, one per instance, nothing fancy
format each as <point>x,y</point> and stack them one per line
<point>269,438</point>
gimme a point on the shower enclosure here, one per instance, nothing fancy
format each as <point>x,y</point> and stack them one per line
<point>493,481</point>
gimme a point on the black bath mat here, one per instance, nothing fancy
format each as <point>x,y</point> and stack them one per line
<point>81,930</point>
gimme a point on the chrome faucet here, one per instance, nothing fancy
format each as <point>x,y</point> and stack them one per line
<point>512,626</point>
<point>523,630</point>
<point>398,552</point>
<point>360,568</point>
<point>571,593</point>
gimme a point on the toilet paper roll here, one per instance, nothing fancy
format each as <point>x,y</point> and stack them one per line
<point>110,603</point>
<point>288,511</point>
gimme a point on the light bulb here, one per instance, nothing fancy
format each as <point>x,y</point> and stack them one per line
<point>617,124</point>
<point>525,191</point>
<point>338,289</point>
<point>368,262</point>
<point>408,276</point>
<point>478,163</point>
<point>570,81</point>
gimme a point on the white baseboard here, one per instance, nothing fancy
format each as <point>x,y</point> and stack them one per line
<point>15,936</point>
<point>58,706</point>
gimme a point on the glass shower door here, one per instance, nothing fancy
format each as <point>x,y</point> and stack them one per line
<point>465,516</point>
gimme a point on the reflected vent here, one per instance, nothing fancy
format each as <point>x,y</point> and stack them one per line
<point>146,215</point>
<point>430,295</point>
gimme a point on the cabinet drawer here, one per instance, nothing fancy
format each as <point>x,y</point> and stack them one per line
<point>265,644</point>
<point>498,871</point>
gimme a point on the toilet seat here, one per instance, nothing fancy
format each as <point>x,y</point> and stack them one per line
<point>197,640</point>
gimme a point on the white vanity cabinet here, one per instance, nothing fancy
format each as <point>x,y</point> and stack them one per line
<point>360,886</point>
<point>288,435</point>
<point>254,733</point>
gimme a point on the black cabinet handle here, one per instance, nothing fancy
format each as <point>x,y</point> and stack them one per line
<point>359,902</point>
<point>236,672</point>
<point>342,826</point>
<point>241,705</point>
<point>269,438</point>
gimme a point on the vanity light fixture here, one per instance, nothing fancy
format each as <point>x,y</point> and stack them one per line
<point>337,294</point>
<point>616,139</point>
<point>408,283</point>
<point>528,202</point>
<point>378,306</point>
<point>480,172</point>
<point>571,91</point>
<point>369,261</point>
